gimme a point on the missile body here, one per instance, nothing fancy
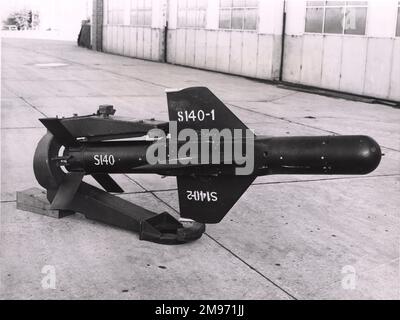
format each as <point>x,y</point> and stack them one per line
<point>318,155</point>
<point>282,155</point>
<point>101,144</point>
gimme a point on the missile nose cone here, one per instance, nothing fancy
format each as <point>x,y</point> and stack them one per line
<point>369,154</point>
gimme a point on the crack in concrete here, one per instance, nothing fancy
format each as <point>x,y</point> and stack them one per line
<point>72,62</point>
<point>296,122</point>
<point>8,201</point>
<point>251,267</point>
<point>266,100</point>
<point>327,179</point>
<point>90,96</point>
<point>32,106</point>
<point>100,96</point>
<point>267,183</point>
<point>20,128</point>
<point>99,69</point>
<point>217,242</point>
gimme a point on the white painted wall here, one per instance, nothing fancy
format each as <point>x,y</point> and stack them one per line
<point>270,17</point>
<point>172,14</point>
<point>212,15</point>
<point>295,17</point>
<point>159,13</point>
<point>382,17</point>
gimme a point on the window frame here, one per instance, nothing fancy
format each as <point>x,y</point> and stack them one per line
<point>243,8</point>
<point>140,10</point>
<point>112,9</point>
<point>344,7</point>
<point>197,9</point>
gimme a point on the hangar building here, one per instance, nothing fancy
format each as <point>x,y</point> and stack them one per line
<point>347,46</point>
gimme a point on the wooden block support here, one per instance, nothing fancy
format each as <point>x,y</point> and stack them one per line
<point>35,200</point>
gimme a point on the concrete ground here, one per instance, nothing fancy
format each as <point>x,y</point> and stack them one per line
<point>288,237</point>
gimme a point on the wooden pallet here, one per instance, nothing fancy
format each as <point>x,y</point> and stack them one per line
<point>35,200</point>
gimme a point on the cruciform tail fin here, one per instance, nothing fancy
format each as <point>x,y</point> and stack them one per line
<point>208,199</point>
<point>198,108</point>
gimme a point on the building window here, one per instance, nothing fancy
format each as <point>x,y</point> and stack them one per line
<point>192,13</point>
<point>238,14</point>
<point>337,17</point>
<point>141,13</point>
<point>398,21</point>
<point>115,12</point>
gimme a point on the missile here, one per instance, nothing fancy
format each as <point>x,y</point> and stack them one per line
<point>213,155</point>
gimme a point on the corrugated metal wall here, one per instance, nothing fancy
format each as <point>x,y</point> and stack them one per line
<point>361,65</point>
<point>367,65</point>
<point>236,52</point>
<point>252,53</point>
<point>139,42</point>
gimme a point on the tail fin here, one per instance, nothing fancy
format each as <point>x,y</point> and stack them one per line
<point>57,129</point>
<point>66,191</point>
<point>208,199</point>
<point>108,183</point>
<point>205,198</point>
<point>198,108</point>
